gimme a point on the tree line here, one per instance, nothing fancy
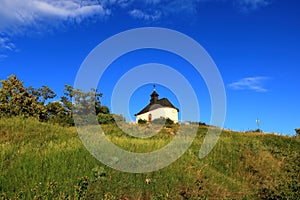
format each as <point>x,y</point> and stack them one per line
<point>18,100</point>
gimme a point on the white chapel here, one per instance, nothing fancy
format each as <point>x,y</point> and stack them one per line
<point>158,108</point>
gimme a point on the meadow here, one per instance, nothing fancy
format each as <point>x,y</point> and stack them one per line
<point>48,161</point>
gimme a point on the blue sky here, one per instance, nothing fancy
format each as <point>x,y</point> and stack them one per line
<point>254,43</point>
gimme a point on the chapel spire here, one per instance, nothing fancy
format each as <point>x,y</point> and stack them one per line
<point>154,96</point>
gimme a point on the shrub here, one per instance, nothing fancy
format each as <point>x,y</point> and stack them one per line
<point>118,118</point>
<point>159,121</point>
<point>109,118</point>
<point>258,130</point>
<point>202,124</point>
<point>167,122</point>
<point>105,118</point>
<point>255,131</point>
<point>142,121</point>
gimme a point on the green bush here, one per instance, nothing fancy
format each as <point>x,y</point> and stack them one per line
<point>142,121</point>
<point>109,118</point>
<point>105,118</point>
<point>118,118</point>
<point>169,121</point>
<point>162,120</point>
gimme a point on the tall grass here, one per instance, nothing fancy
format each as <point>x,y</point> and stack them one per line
<point>46,161</point>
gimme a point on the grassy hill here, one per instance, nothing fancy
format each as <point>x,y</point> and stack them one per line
<point>45,161</point>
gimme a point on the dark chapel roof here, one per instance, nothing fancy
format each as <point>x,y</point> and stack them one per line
<point>156,103</point>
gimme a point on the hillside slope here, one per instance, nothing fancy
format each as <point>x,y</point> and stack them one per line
<point>44,161</point>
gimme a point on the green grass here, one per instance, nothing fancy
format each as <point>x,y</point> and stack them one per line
<point>46,161</point>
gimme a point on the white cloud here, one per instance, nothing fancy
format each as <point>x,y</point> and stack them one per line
<point>249,5</point>
<point>5,46</point>
<point>250,83</point>
<point>2,56</point>
<point>154,10</point>
<point>15,15</point>
<point>139,14</point>
<point>18,17</point>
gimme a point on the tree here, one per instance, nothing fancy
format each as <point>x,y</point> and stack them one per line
<point>46,93</point>
<point>85,102</point>
<point>297,132</point>
<point>58,114</point>
<point>67,99</point>
<point>34,92</point>
<point>97,96</point>
<point>16,100</point>
<point>102,109</point>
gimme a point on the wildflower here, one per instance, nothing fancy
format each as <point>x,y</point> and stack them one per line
<point>147,180</point>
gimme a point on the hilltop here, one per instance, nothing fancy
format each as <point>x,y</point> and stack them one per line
<point>47,161</point>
